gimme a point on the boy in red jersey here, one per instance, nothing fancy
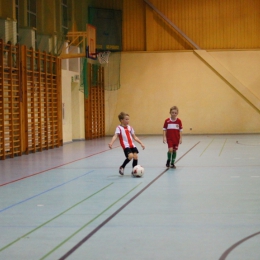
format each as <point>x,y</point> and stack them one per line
<point>172,135</point>
<point>126,135</point>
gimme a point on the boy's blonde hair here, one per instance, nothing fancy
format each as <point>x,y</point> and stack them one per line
<point>174,108</point>
<point>122,115</point>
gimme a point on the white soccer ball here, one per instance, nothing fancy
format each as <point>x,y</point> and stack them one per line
<point>138,171</point>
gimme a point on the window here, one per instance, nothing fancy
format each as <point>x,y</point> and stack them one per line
<point>64,13</point>
<point>17,18</point>
<point>31,13</point>
<point>16,9</point>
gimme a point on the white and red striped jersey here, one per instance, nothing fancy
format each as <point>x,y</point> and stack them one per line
<point>125,136</point>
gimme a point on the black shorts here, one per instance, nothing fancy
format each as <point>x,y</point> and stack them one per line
<point>130,150</point>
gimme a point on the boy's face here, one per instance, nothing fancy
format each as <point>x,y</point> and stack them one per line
<point>125,121</point>
<point>174,114</point>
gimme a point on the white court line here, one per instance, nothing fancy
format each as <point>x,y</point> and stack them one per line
<point>250,158</point>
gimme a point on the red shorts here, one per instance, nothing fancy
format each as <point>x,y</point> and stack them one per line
<point>172,145</point>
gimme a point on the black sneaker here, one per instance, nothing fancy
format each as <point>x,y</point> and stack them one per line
<point>121,170</point>
<point>173,166</point>
<point>168,163</point>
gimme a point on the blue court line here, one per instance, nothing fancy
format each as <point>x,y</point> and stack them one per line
<point>22,201</point>
<point>48,221</point>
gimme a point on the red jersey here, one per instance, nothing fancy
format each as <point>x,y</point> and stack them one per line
<point>125,136</point>
<point>173,129</point>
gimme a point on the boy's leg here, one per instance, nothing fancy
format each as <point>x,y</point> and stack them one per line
<point>174,154</point>
<point>126,161</point>
<point>135,159</point>
<point>129,157</point>
<point>169,154</point>
<point>122,167</point>
<point>169,157</point>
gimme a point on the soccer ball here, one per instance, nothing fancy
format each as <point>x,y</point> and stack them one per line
<point>138,171</point>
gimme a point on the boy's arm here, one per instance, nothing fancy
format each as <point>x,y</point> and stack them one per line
<point>138,141</point>
<point>164,137</point>
<point>112,141</point>
<point>180,137</point>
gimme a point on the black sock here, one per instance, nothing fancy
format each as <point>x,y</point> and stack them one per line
<point>125,162</point>
<point>135,162</point>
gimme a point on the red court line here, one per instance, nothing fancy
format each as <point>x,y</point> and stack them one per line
<point>31,175</point>
<point>226,253</point>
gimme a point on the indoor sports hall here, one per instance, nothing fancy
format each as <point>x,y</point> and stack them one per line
<point>71,202</point>
<point>68,69</point>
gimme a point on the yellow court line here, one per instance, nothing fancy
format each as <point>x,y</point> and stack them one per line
<point>222,147</point>
<point>207,146</point>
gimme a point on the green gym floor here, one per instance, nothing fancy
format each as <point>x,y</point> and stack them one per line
<point>71,203</point>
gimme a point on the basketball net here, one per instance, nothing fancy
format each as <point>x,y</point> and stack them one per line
<point>103,57</point>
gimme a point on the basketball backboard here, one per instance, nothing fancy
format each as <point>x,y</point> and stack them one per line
<point>108,24</point>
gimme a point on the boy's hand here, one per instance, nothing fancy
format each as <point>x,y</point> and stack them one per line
<point>110,146</point>
<point>143,146</point>
<point>164,140</point>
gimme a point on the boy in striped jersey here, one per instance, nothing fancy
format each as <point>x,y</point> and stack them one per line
<point>126,135</point>
<point>172,135</point>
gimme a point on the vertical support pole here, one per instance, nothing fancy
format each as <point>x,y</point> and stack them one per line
<point>59,100</point>
<point>51,89</point>
<point>2,130</point>
<point>25,141</point>
<point>103,101</point>
<point>46,99</point>
<point>40,114</point>
<point>88,131</point>
<point>10,87</point>
<point>34,104</point>
<point>21,108</point>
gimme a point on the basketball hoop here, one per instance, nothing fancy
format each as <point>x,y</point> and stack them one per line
<point>103,57</point>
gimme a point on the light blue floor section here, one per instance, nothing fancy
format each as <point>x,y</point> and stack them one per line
<point>206,209</point>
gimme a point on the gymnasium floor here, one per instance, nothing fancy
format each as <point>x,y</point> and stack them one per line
<point>71,203</point>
